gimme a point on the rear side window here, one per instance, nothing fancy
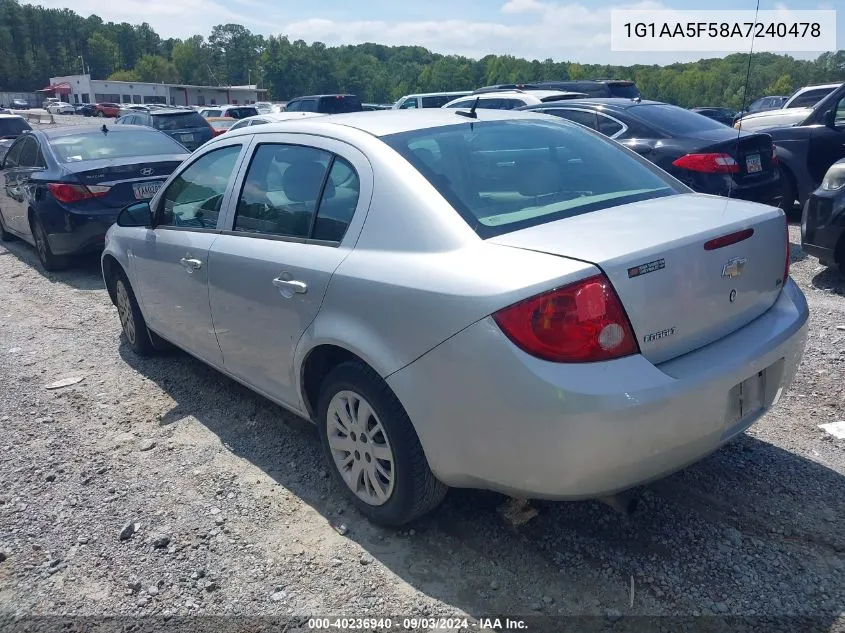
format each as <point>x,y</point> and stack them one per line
<point>581,117</point>
<point>340,104</point>
<point>502,176</point>
<point>12,126</point>
<point>181,121</point>
<point>673,119</point>
<point>307,105</point>
<point>608,126</point>
<point>296,191</point>
<point>128,142</point>
<point>194,197</point>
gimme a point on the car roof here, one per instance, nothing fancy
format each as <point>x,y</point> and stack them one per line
<point>386,122</point>
<point>816,87</point>
<point>222,118</point>
<point>617,103</point>
<point>157,112</point>
<point>334,94</point>
<point>457,93</point>
<point>10,116</point>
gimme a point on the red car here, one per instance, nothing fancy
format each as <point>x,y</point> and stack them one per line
<point>107,109</point>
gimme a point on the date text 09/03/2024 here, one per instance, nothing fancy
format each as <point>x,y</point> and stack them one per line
<point>416,624</point>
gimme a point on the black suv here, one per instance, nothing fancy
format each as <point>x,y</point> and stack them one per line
<point>184,126</point>
<point>325,104</point>
<point>598,88</point>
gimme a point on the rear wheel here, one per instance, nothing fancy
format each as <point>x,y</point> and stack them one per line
<point>100,114</point>
<point>372,448</point>
<point>49,261</point>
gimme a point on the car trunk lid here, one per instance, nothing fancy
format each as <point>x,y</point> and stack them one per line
<point>126,182</point>
<point>678,295</point>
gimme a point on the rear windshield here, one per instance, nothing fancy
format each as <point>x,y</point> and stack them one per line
<point>221,125</point>
<point>241,113</point>
<point>340,104</point>
<point>436,101</point>
<point>96,145</point>
<point>502,176</point>
<point>673,119</point>
<point>12,126</point>
<point>624,91</point>
<point>180,121</point>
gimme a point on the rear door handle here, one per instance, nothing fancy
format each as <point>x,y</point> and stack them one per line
<point>190,263</point>
<point>289,287</point>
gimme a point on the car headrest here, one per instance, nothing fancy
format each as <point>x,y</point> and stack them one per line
<point>301,182</point>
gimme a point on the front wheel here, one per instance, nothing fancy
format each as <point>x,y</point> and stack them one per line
<point>131,320</point>
<point>372,448</point>
<point>100,114</point>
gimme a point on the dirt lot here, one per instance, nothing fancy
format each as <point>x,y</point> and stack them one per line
<point>161,487</point>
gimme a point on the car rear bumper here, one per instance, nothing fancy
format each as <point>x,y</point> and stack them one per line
<point>490,416</point>
<point>78,233</point>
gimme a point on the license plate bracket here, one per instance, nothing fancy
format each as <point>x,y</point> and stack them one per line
<point>747,398</point>
<point>186,138</point>
<point>145,190</point>
<point>753,164</point>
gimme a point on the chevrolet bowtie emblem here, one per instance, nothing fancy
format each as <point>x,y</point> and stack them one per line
<point>734,267</point>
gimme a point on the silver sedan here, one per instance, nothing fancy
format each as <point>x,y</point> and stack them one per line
<point>489,299</point>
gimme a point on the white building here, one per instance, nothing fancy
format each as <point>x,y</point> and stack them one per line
<point>83,89</point>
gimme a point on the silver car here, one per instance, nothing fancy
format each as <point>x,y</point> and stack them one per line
<point>488,299</point>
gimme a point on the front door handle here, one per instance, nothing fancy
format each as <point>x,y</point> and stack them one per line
<point>287,287</point>
<point>190,263</point>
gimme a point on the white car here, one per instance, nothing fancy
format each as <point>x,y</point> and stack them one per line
<point>511,99</point>
<point>263,107</point>
<point>808,96</point>
<point>773,118</point>
<point>59,107</point>
<point>272,117</point>
<point>428,100</point>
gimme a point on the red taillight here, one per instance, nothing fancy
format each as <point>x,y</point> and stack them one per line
<point>708,163</point>
<point>580,323</point>
<point>727,240</point>
<point>75,193</point>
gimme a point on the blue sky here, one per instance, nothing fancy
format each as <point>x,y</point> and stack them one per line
<point>561,29</point>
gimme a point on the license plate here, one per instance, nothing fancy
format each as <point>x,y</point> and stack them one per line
<point>186,138</point>
<point>753,164</point>
<point>747,398</point>
<point>144,190</point>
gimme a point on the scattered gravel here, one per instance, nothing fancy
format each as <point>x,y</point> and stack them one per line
<point>230,511</point>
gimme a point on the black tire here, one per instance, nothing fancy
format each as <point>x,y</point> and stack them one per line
<point>48,259</point>
<point>5,236</point>
<point>131,320</point>
<point>415,490</point>
<point>790,192</point>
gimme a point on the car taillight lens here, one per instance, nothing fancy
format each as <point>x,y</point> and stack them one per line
<point>76,193</point>
<point>580,323</point>
<point>708,163</point>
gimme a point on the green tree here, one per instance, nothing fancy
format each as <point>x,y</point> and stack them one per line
<point>125,75</point>
<point>156,69</point>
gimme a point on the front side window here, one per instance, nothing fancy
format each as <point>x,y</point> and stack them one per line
<point>409,104</point>
<point>465,103</point>
<point>809,98</point>
<point>29,153</point>
<point>194,197</point>
<point>239,125</point>
<point>502,176</point>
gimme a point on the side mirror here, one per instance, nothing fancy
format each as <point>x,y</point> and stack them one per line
<point>138,214</point>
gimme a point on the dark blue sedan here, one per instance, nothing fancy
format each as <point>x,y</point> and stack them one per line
<point>62,188</point>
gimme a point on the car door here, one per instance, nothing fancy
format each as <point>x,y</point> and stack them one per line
<point>17,187</point>
<point>169,262</point>
<point>827,142</point>
<point>290,229</point>
<point>10,198</point>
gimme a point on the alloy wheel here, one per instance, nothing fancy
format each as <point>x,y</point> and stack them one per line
<point>360,448</point>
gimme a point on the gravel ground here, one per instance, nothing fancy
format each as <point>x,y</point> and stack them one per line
<point>159,486</point>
